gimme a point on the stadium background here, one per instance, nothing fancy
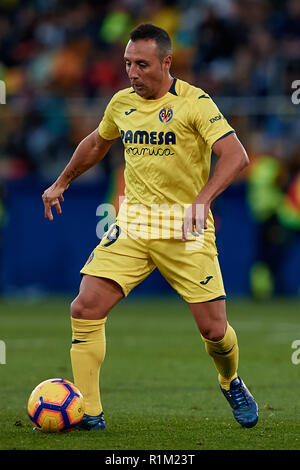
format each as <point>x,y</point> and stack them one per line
<point>62,61</point>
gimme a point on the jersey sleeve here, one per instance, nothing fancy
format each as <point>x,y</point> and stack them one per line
<point>107,127</point>
<point>209,121</point>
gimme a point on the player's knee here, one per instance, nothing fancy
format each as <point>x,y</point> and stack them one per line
<point>76,309</point>
<point>214,332</point>
<point>85,310</point>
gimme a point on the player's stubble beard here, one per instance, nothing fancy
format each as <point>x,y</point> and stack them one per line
<point>148,92</point>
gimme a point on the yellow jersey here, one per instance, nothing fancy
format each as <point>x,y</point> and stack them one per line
<point>167,143</point>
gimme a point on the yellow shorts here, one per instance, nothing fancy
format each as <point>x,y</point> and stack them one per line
<point>193,271</point>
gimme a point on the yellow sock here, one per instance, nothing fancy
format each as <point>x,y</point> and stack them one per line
<point>225,354</point>
<point>87,354</point>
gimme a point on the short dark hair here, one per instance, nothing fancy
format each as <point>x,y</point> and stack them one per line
<point>160,36</point>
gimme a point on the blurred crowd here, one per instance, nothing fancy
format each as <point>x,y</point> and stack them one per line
<point>61,61</point>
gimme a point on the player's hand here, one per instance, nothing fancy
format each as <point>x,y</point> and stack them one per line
<point>52,198</point>
<point>194,221</point>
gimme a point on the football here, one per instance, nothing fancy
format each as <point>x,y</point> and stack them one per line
<point>55,405</point>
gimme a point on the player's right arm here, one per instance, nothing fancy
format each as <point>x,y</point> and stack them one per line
<point>89,152</point>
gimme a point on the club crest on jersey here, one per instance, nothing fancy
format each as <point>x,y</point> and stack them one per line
<point>165,114</point>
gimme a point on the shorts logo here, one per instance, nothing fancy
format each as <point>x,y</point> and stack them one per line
<point>90,258</point>
<point>165,114</point>
<point>208,278</point>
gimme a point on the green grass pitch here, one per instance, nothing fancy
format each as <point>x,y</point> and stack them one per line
<point>159,387</point>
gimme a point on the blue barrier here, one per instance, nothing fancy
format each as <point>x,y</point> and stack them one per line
<point>40,256</point>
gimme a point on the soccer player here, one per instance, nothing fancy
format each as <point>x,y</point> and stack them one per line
<point>168,128</point>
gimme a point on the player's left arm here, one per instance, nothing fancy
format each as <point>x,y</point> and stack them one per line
<point>232,158</point>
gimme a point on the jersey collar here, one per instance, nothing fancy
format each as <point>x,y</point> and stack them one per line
<point>172,87</point>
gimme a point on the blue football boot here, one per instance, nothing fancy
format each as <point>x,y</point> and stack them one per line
<point>244,407</point>
<point>92,423</point>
